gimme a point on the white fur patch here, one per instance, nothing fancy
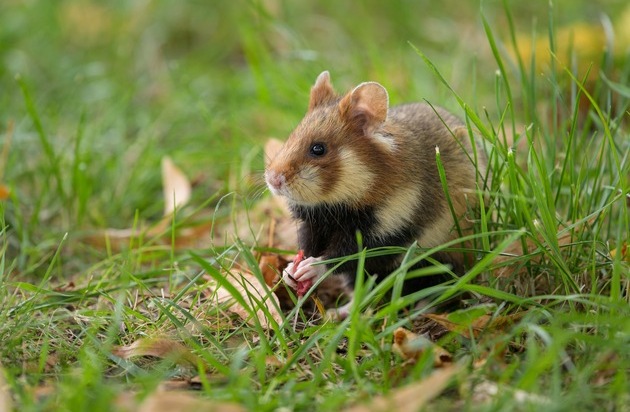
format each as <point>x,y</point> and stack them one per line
<point>354,180</point>
<point>397,211</point>
<point>386,141</point>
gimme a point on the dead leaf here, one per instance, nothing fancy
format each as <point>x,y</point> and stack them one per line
<point>177,191</point>
<point>625,256</point>
<point>4,156</point>
<point>4,192</point>
<point>486,391</point>
<point>486,322</point>
<point>273,362</point>
<point>159,348</point>
<point>606,368</point>
<point>6,401</point>
<point>412,397</point>
<point>269,266</point>
<point>254,293</point>
<point>184,402</point>
<point>175,186</point>
<point>411,347</point>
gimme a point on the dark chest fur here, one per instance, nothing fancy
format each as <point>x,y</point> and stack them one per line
<point>331,232</point>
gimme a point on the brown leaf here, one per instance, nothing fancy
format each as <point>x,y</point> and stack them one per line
<point>184,402</point>
<point>4,155</point>
<point>625,255</point>
<point>4,192</point>
<point>176,190</point>
<point>159,348</point>
<point>6,401</point>
<point>411,347</point>
<point>478,325</point>
<point>486,391</point>
<point>273,362</point>
<point>175,186</point>
<point>270,264</point>
<point>412,397</point>
<point>254,293</point>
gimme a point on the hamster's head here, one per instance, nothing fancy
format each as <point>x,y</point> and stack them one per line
<point>333,154</point>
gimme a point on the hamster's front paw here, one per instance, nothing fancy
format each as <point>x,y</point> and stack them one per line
<point>287,275</point>
<point>302,274</point>
<point>307,274</point>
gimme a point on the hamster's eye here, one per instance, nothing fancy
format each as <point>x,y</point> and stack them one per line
<point>318,149</point>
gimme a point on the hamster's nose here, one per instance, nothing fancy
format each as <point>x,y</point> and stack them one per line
<point>276,181</point>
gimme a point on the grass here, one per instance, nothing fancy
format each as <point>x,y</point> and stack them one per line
<point>94,96</point>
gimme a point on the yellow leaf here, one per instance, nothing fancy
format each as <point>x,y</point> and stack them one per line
<point>184,402</point>
<point>483,322</point>
<point>624,252</point>
<point>175,185</point>
<point>412,397</point>
<point>411,346</point>
<point>176,191</point>
<point>6,401</point>
<point>487,391</point>
<point>254,293</point>
<point>4,192</point>
<point>157,347</point>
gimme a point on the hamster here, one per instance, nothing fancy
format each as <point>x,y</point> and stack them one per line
<point>355,164</point>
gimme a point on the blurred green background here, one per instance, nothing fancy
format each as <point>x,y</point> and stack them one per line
<point>116,85</point>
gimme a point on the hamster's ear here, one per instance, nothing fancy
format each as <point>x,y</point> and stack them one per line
<point>322,91</point>
<point>366,106</point>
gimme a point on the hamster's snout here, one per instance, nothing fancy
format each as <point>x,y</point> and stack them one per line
<point>276,181</point>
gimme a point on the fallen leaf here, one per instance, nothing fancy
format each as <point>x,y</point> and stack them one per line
<point>413,397</point>
<point>625,256</point>
<point>606,368</point>
<point>273,362</point>
<point>184,402</point>
<point>4,155</point>
<point>175,186</point>
<point>6,401</point>
<point>253,294</point>
<point>177,191</point>
<point>477,325</point>
<point>411,347</point>
<point>159,348</point>
<point>486,391</point>
<point>269,266</point>
<point>4,192</point>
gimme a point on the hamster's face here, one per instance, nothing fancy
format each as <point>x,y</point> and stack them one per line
<point>320,164</point>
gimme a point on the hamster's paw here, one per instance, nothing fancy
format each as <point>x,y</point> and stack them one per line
<point>339,314</point>
<point>307,269</point>
<point>287,275</point>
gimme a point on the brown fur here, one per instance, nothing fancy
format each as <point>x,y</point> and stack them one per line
<point>381,158</point>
